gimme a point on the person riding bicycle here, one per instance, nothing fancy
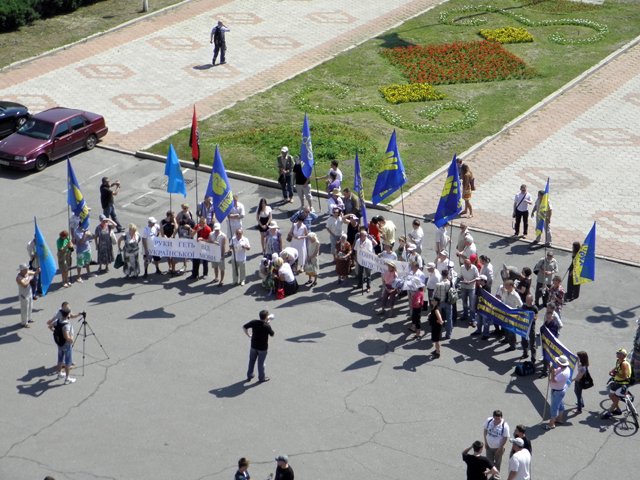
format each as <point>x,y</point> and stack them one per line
<point>620,378</point>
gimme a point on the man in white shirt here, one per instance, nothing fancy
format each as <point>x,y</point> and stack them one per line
<point>520,461</point>
<point>466,245</point>
<point>521,202</point>
<point>442,238</point>
<point>365,243</point>
<point>219,241</point>
<point>334,227</point>
<point>496,434</point>
<point>508,295</point>
<point>416,235</point>
<point>236,214</point>
<point>468,275</point>
<point>151,230</point>
<point>240,245</point>
<point>387,231</point>
<point>433,277</point>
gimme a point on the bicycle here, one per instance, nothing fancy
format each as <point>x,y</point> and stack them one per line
<point>627,397</point>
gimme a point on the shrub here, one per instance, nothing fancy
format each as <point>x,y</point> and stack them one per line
<point>17,13</point>
<point>414,92</point>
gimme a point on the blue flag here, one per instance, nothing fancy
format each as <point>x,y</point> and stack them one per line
<point>306,149</point>
<point>174,172</point>
<point>219,188</point>
<point>450,204</point>
<point>75,199</point>
<point>47,263</point>
<point>584,263</point>
<point>357,188</point>
<point>543,211</point>
<point>391,176</point>
<point>553,348</point>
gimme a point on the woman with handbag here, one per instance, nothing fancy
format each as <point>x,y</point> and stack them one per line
<point>582,379</point>
<point>105,240</point>
<point>129,245</point>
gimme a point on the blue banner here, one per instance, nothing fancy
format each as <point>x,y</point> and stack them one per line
<point>391,176</point>
<point>552,348</point>
<point>219,188</point>
<point>513,319</point>
<point>47,263</point>
<point>358,190</point>
<point>174,172</point>
<point>306,149</point>
<point>450,204</point>
<point>75,199</point>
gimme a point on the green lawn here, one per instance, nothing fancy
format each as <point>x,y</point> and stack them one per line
<point>45,35</point>
<point>347,111</point>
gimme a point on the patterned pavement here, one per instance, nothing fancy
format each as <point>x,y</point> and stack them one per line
<point>145,78</point>
<point>586,140</point>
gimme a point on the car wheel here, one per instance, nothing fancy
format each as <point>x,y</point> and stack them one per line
<point>90,142</point>
<point>41,162</point>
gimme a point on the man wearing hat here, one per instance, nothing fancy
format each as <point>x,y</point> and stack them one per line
<point>621,374</point>
<point>520,461</point>
<point>335,201</point>
<point>558,378</point>
<point>272,240</point>
<point>23,279</point>
<point>283,470</point>
<point>150,231</point>
<point>544,270</point>
<point>285,170</point>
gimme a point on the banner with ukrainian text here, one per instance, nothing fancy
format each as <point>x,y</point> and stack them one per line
<point>584,263</point>
<point>450,204</point>
<point>190,248</point>
<point>377,264</point>
<point>552,347</point>
<point>391,176</point>
<point>515,320</point>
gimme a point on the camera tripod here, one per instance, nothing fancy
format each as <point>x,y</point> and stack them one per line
<point>82,331</point>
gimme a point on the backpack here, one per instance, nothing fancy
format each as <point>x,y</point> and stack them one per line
<point>452,296</point>
<point>218,36</point>
<point>58,333</point>
<point>524,369</point>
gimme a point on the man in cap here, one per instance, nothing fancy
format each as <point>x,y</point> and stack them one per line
<point>107,192</point>
<point>150,231</point>
<point>285,169</point>
<point>544,270</point>
<point>219,240</point>
<point>558,381</point>
<point>520,461</point>
<point>283,470</point>
<point>621,375</point>
<point>260,332</point>
<point>23,279</point>
<point>219,42</point>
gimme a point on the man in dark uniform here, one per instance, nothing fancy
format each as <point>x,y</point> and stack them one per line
<point>107,202</point>
<point>219,44</point>
<point>260,333</point>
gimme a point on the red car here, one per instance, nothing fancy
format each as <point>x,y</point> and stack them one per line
<point>50,135</point>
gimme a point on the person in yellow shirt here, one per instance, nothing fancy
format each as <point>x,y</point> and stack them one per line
<point>621,375</point>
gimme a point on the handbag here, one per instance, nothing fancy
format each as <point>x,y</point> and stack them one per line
<point>119,262</point>
<point>280,293</point>
<point>586,381</point>
<point>290,235</point>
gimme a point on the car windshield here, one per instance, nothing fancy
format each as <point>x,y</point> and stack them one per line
<point>36,129</point>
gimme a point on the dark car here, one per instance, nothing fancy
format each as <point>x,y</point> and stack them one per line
<point>12,116</point>
<point>50,135</point>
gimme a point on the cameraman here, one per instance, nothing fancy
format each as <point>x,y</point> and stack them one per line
<point>106,199</point>
<point>65,360</point>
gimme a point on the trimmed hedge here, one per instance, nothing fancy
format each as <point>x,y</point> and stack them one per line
<point>17,13</point>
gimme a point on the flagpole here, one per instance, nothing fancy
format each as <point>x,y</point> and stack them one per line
<point>404,223</point>
<point>317,190</point>
<point>197,197</point>
<point>233,250</point>
<point>546,398</point>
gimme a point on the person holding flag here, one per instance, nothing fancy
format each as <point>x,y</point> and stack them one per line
<point>542,211</point>
<point>558,382</point>
<point>23,279</point>
<point>583,264</point>
<point>359,191</point>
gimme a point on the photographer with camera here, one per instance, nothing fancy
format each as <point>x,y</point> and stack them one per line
<point>63,336</point>
<point>107,202</point>
<point>23,279</point>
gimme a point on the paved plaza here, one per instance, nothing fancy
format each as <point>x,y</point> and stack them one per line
<point>351,395</point>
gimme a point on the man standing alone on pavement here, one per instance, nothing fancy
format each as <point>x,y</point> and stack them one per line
<point>285,170</point>
<point>107,202</point>
<point>521,203</point>
<point>219,43</point>
<point>260,332</point>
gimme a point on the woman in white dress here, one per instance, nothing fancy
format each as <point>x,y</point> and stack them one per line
<point>299,240</point>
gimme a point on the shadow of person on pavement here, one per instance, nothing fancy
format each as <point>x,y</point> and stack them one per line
<point>233,390</point>
<point>45,381</point>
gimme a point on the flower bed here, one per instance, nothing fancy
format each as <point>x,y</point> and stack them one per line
<point>507,35</point>
<point>459,62</point>
<point>414,92</point>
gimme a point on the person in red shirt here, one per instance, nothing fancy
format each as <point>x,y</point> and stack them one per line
<point>374,231</point>
<point>201,233</point>
<point>417,301</point>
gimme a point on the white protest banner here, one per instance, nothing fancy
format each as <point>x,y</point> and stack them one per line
<point>184,248</point>
<point>376,264</point>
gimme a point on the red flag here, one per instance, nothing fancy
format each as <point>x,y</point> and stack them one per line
<point>194,139</point>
